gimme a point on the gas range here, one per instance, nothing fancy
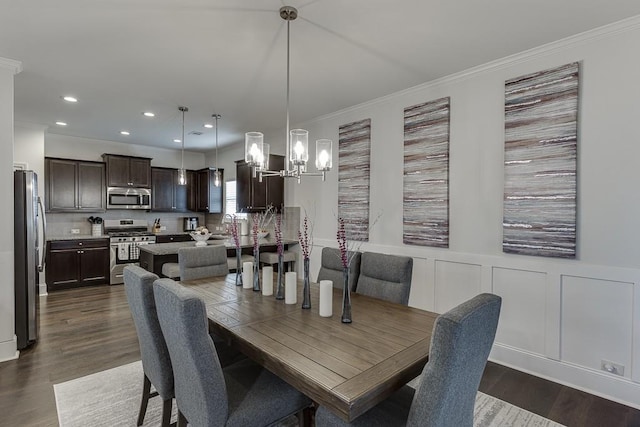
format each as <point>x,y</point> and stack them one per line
<point>128,230</point>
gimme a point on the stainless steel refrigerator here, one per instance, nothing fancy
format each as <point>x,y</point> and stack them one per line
<point>29,248</point>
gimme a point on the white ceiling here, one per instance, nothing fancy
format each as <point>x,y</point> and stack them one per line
<point>123,57</point>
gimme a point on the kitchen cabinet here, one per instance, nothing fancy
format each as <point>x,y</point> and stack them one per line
<point>170,238</point>
<point>126,171</point>
<point>210,198</point>
<point>74,185</point>
<point>166,194</point>
<point>253,195</point>
<point>75,263</point>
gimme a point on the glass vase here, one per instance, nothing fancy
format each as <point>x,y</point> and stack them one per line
<point>280,285</point>
<point>256,269</point>
<point>238,267</point>
<point>346,297</point>
<point>306,290</point>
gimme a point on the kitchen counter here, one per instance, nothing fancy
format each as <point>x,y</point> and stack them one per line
<point>153,256</point>
<point>75,237</point>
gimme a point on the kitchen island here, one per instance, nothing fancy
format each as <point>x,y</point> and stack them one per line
<point>152,257</point>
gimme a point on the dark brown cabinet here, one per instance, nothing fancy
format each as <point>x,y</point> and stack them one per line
<point>166,194</point>
<point>209,198</point>
<point>74,186</point>
<point>253,195</point>
<point>126,171</point>
<point>170,238</point>
<point>75,263</point>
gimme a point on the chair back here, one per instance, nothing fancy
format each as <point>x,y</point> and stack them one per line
<point>199,262</point>
<point>199,381</point>
<point>460,345</point>
<point>386,277</point>
<point>331,268</point>
<point>138,285</point>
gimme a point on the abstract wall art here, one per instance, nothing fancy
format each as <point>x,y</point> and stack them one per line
<point>541,135</point>
<point>426,174</point>
<point>354,148</point>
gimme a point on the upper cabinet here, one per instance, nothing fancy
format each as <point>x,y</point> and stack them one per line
<point>167,195</point>
<point>126,171</point>
<point>209,198</point>
<point>74,185</point>
<point>253,195</point>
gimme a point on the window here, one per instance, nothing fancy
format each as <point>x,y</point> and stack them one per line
<point>230,198</point>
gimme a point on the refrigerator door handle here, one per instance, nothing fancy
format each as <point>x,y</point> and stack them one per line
<point>44,236</point>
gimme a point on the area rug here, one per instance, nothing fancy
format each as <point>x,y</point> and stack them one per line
<point>112,398</point>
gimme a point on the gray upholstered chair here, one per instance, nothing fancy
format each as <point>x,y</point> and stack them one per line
<point>331,268</point>
<point>243,394</point>
<point>445,397</point>
<point>156,364</point>
<point>198,262</point>
<point>386,277</point>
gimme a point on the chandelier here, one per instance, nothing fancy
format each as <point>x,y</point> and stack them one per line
<point>256,152</point>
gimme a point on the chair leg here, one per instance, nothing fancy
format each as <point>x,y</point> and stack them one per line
<point>146,391</point>
<point>305,417</point>
<point>182,421</point>
<point>166,412</point>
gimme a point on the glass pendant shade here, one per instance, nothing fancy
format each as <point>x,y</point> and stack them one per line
<point>182,177</point>
<point>299,148</point>
<point>216,178</point>
<point>264,160</point>
<point>253,147</point>
<point>324,153</point>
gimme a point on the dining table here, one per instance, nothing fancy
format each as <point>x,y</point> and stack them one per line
<point>347,367</point>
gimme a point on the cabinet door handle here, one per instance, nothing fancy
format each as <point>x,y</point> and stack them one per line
<point>79,243</point>
<point>80,252</point>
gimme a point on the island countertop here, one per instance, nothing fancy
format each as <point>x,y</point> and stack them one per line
<point>245,242</point>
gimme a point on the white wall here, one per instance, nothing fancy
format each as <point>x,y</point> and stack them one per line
<point>8,69</point>
<point>71,147</point>
<point>560,318</point>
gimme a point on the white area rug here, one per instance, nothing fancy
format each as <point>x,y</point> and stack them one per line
<point>112,398</point>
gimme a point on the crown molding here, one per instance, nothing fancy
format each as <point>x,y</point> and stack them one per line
<point>610,30</point>
<point>11,65</point>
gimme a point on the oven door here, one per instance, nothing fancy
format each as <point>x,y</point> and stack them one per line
<point>121,255</point>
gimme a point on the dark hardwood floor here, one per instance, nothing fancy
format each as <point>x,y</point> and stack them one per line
<point>88,330</point>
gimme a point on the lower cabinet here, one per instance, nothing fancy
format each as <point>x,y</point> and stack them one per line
<point>75,263</point>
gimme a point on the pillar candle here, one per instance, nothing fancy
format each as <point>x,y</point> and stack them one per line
<point>326,298</point>
<point>267,280</point>
<point>290,287</point>
<point>247,275</point>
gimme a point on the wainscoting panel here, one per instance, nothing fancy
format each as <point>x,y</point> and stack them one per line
<point>596,322</point>
<point>523,308</point>
<point>455,283</point>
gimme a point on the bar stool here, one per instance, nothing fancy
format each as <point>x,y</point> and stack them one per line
<point>231,261</point>
<point>271,258</point>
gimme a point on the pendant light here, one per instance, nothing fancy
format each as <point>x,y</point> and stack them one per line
<point>297,140</point>
<point>216,174</point>
<point>182,174</point>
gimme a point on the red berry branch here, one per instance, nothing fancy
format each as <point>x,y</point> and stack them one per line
<point>234,231</point>
<point>305,238</point>
<point>278,232</point>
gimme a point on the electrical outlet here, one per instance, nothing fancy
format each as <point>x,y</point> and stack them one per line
<point>163,228</point>
<point>612,368</point>
<point>75,231</point>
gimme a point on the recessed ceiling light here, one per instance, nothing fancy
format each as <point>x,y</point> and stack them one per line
<point>178,140</point>
<point>70,99</point>
<point>61,123</point>
<point>208,125</point>
<point>148,114</point>
<point>124,132</point>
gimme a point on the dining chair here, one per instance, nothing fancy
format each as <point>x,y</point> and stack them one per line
<point>156,364</point>
<point>331,267</point>
<point>198,262</point>
<point>386,277</point>
<point>445,397</point>
<point>243,394</point>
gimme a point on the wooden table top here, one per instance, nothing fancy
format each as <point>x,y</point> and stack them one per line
<point>347,367</point>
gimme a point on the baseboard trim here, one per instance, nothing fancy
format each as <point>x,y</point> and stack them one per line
<point>602,384</point>
<point>9,350</point>
<point>43,289</point>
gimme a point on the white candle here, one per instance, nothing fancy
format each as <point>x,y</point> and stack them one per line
<point>247,275</point>
<point>290,287</point>
<point>267,280</point>
<point>326,298</point>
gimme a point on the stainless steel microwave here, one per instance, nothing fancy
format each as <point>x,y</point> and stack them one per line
<point>128,198</point>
